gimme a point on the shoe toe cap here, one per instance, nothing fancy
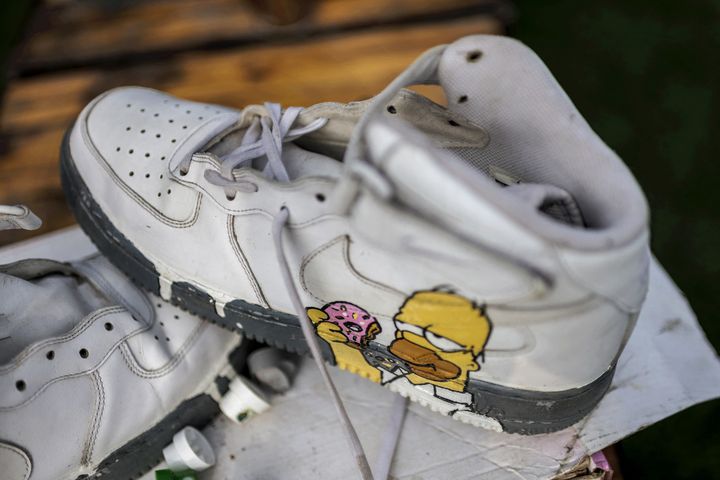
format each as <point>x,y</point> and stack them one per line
<point>135,132</point>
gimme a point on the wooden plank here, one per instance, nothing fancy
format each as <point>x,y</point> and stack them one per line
<point>343,68</point>
<point>81,33</point>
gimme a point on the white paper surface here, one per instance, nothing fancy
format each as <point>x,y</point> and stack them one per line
<point>667,366</point>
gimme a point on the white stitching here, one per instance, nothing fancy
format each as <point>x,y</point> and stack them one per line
<point>95,425</point>
<point>349,266</point>
<point>126,188</point>
<point>138,370</point>
<point>22,455</point>
<point>244,261</point>
<point>42,388</point>
<point>84,325</point>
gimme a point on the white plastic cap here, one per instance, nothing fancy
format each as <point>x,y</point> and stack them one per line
<point>190,450</point>
<point>243,400</point>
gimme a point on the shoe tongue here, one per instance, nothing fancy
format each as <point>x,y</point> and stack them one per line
<point>550,200</point>
<point>304,163</point>
<point>447,189</point>
<point>40,299</point>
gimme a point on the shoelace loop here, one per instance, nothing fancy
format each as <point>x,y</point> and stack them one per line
<point>264,137</point>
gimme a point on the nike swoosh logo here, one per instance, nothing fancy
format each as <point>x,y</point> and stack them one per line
<point>328,275</point>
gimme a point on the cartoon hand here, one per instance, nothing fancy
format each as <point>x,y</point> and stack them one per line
<point>330,332</point>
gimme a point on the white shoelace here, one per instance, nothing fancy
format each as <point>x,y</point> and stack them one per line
<point>278,227</point>
<point>18,217</point>
<point>265,137</point>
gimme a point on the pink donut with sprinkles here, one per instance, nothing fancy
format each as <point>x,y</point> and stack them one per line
<point>358,326</point>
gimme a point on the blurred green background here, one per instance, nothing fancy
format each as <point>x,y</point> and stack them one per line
<point>645,74</point>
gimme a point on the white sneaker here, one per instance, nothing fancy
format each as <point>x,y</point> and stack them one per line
<point>487,259</point>
<point>96,376</point>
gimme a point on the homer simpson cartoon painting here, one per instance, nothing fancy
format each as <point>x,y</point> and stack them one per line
<point>439,339</point>
<point>348,329</point>
<point>440,336</point>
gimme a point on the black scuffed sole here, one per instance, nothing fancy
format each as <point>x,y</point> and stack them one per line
<point>525,412</point>
<point>531,413</point>
<point>144,452</point>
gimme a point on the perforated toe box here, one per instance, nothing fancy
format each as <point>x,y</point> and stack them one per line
<point>136,132</point>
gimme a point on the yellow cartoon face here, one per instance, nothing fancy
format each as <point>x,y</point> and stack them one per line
<point>440,335</point>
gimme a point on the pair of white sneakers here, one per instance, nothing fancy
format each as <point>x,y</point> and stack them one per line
<point>487,258</point>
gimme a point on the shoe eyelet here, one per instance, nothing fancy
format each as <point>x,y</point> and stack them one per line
<point>473,56</point>
<point>20,385</point>
<point>84,353</point>
<point>392,109</point>
<point>50,354</point>
<point>108,326</point>
<point>230,197</point>
<point>320,197</point>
